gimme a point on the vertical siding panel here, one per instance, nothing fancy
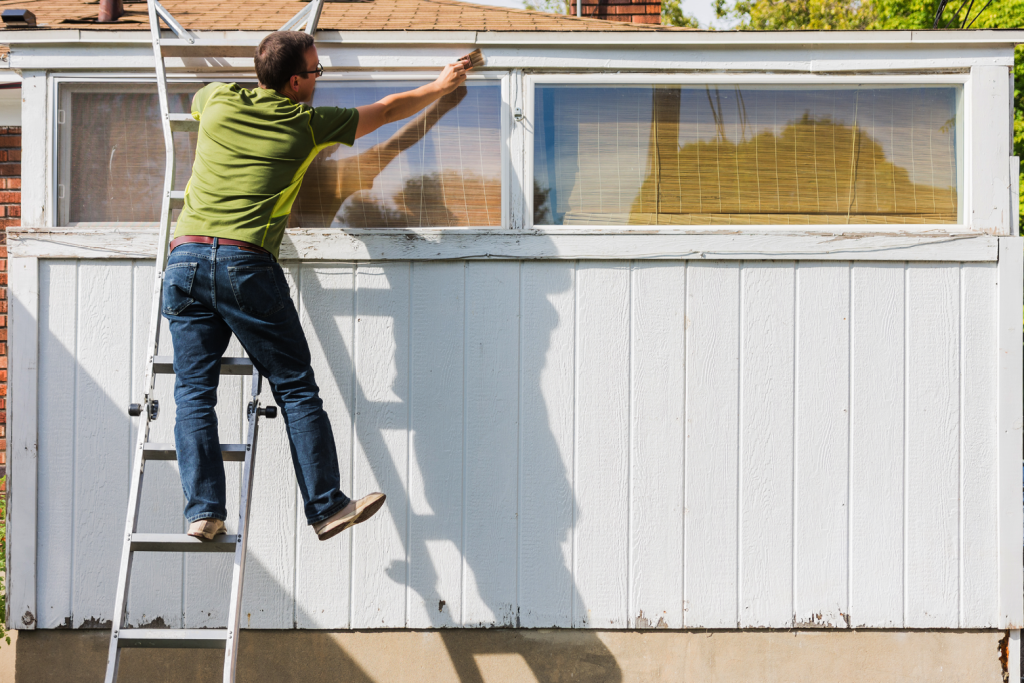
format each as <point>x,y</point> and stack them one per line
<point>381,438</point>
<point>102,431</point>
<point>154,598</point>
<point>712,399</point>
<point>876,446</point>
<point>58,316</point>
<point>933,446</point>
<point>979,550</point>
<point>492,423</point>
<point>766,446</point>
<point>822,444</point>
<point>267,600</point>
<point>547,506</point>
<point>207,588</point>
<point>322,568</point>
<point>658,372</point>
<point>602,438</point>
<point>436,453</point>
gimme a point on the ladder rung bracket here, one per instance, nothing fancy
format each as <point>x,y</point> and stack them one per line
<point>177,199</point>
<point>207,638</point>
<point>232,452</point>
<point>164,365</point>
<point>182,543</point>
<point>183,123</point>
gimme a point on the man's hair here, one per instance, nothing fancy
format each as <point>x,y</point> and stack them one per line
<point>280,56</point>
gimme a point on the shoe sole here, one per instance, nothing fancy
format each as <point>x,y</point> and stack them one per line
<point>359,516</point>
<point>204,537</point>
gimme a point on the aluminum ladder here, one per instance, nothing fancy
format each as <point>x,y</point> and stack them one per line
<point>133,541</point>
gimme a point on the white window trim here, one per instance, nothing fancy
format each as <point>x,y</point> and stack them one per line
<point>517,91</point>
<point>755,79</point>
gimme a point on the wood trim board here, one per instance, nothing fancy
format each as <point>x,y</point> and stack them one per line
<point>22,439</point>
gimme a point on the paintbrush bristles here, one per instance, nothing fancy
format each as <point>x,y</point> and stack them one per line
<point>475,59</point>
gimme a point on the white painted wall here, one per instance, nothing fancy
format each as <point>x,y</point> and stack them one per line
<point>578,444</point>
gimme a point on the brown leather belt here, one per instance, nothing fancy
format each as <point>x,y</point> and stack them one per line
<point>203,239</point>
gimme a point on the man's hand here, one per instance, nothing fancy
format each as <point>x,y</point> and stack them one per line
<point>453,76</point>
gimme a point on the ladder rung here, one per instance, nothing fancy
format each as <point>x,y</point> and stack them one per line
<point>232,452</point>
<point>164,365</point>
<point>183,122</point>
<point>182,543</point>
<point>177,199</point>
<point>172,637</point>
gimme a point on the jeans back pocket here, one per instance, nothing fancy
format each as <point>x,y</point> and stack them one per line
<point>178,279</point>
<point>255,288</point>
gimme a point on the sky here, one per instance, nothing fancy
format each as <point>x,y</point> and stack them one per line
<point>701,9</point>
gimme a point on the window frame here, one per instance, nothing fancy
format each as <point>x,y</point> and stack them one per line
<point>962,79</point>
<point>60,102</point>
<point>517,89</point>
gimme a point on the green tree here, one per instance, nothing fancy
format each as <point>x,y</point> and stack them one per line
<point>672,14</point>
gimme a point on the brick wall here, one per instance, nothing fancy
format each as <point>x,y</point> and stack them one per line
<point>10,216</point>
<point>629,11</point>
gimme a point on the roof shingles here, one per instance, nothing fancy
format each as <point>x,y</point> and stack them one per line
<point>269,15</point>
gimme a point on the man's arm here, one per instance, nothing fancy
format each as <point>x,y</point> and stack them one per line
<point>403,105</point>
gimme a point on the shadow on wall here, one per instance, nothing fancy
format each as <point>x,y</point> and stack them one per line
<point>587,656</point>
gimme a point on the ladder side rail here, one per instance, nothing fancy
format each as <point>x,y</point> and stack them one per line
<point>297,20</point>
<point>125,568</point>
<point>315,7</point>
<point>138,466</point>
<point>164,237</point>
<point>178,29</point>
<point>242,539</point>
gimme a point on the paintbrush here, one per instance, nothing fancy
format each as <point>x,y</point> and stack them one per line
<point>475,59</point>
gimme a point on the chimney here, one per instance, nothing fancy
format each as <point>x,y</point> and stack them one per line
<point>629,11</point>
<point>110,11</point>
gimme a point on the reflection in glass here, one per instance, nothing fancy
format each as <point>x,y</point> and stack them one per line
<point>684,155</point>
<point>441,168</point>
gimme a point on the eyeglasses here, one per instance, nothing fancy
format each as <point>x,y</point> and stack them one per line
<point>319,71</point>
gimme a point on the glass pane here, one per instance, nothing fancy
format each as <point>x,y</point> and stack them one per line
<point>686,155</point>
<point>441,168</point>
<point>438,169</point>
<point>112,165</point>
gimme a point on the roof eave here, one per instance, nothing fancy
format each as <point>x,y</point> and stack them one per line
<point>99,38</point>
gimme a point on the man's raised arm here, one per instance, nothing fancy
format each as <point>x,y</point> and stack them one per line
<point>403,105</point>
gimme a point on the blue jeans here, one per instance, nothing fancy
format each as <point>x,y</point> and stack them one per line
<point>210,292</point>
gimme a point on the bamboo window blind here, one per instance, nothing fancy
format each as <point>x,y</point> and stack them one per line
<point>441,168</point>
<point>685,155</point>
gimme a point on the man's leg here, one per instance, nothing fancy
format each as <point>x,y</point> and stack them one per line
<point>200,338</point>
<point>252,294</point>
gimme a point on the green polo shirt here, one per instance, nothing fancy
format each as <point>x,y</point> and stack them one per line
<point>254,147</point>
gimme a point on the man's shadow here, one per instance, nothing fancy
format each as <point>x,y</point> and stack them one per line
<point>542,573</point>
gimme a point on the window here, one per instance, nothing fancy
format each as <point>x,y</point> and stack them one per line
<point>441,168</point>
<point>111,164</point>
<point>747,155</point>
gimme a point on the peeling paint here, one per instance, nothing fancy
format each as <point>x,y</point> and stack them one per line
<point>96,622</point>
<point>1004,655</point>
<point>440,605</point>
<point>155,623</point>
<point>28,618</point>
<point>65,625</point>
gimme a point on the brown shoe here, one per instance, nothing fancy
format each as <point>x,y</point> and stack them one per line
<point>355,512</point>
<point>206,529</point>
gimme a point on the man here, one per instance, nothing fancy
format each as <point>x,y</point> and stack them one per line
<point>222,275</point>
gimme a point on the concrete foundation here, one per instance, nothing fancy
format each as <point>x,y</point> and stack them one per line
<point>525,656</point>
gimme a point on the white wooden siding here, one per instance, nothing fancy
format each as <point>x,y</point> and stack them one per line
<point>613,444</point>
